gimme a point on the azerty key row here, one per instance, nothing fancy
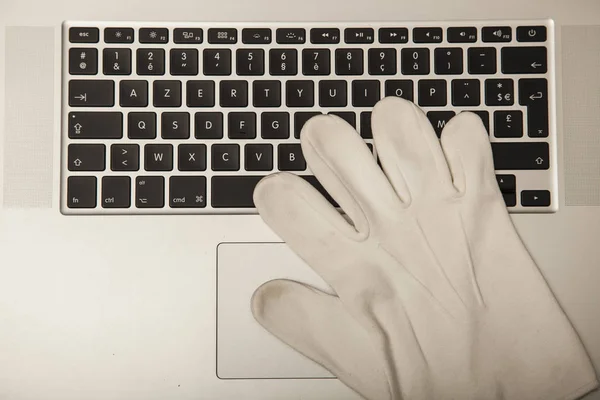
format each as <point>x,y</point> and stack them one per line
<point>284,62</point>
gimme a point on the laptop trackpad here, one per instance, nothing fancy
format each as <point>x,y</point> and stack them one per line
<point>244,348</point>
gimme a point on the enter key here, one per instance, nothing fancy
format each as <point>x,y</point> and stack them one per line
<point>533,93</point>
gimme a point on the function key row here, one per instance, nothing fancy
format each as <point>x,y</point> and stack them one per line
<point>490,34</point>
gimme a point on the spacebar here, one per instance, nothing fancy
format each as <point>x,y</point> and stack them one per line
<point>237,191</point>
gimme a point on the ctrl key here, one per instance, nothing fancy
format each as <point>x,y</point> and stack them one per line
<point>150,192</point>
<point>81,192</point>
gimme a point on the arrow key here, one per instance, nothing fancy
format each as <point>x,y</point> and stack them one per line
<point>125,157</point>
<point>535,198</point>
<point>86,157</point>
<point>507,183</point>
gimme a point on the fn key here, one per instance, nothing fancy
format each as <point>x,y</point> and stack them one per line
<point>81,192</point>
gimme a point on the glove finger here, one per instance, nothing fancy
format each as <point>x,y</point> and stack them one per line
<point>317,325</point>
<point>466,144</point>
<point>309,225</point>
<point>343,164</point>
<point>409,150</point>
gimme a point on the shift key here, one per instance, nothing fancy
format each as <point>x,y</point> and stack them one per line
<point>521,155</point>
<point>95,125</point>
<point>91,93</point>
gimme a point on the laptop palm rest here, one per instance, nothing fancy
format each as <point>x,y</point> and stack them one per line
<point>245,350</point>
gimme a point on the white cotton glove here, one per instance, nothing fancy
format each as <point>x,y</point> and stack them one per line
<point>437,297</point>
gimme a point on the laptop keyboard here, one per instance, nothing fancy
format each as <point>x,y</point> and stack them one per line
<point>186,118</point>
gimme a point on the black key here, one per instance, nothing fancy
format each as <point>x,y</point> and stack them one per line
<point>448,61</point>
<point>316,62</point>
<point>462,35</point>
<point>531,34</point>
<point>510,199</point>
<point>333,93</point>
<point>167,94</point>
<point>187,192</point>
<point>466,92</point>
<point>290,158</point>
<point>499,92</point>
<point>359,35</point>
<point>400,88</point>
<point>241,125</point>
<point>84,35</point>
<point>275,125</point>
<point>225,157</point>
<point>433,93</point>
<point>283,62</point>
<point>482,60</point>
<point>175,125</point>
<point>191,157</point>
<point>91,93</point>
<point>208,125</point>
<point>188,35</point>
<point>83,61</point>
<point>349,62</point>
<point>216,61</point>
<point>233,191</point>
<point>533,93</point>
<point>300,93</point>
<point>290,35</point>
<point>81,192</point>
<point>116,61</point>
<point>133,93</point>
<point>258,157</point>
<point>158,157</point>
<point>524,60</point>
<point>141,125</point>
<point>365,93</point>
<point>348,116</point>
<point>485,118</point>
<point>200,94</point>
<point>522,155</point>
<point>415,62</point>
<point>150,61</point>
<point>118,35</point>
<point>95,125</point>
<point>266,93</point>
<point>222,36</point>
<point>154,35</point>
<point>233,93</point>
<point>496,34</point>
<point>150,192</point>
<point>116,192</point>
<point>365,125</point>
<point>508,123</point>
<point>382,61</point>
<point>124,157</point>
<point>256,36</point>
<point>535,198</point>
<point>184,62</point>
<point>427,35</point>
<point>325,35</point>
<point>250,62</point>
<point>393,35</point>
<point>507,183</point>
<point>87,157</point>
<point>439,119</point>
<point>300,118</point>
